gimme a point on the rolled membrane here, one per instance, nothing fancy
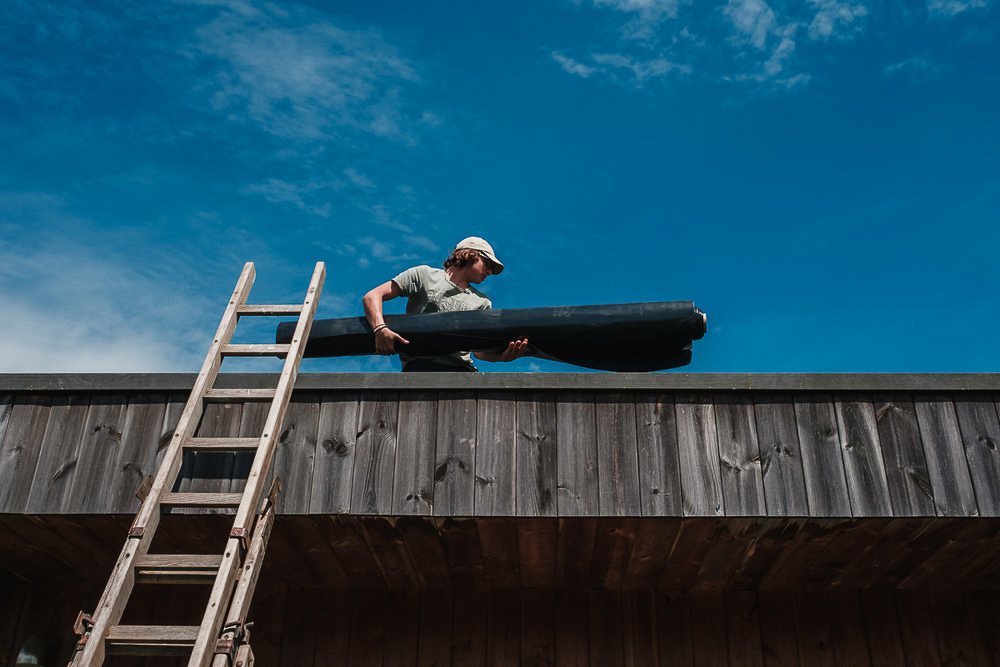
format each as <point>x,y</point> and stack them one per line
<point>629,337</point>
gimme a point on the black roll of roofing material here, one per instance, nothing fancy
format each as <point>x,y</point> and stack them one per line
<point>630,337</point>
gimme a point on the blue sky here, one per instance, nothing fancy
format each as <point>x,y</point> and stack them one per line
<point>821,177</point>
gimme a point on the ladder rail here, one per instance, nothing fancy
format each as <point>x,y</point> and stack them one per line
<point>119,588</point>
<point>222,590</point>
<point>229,600</point>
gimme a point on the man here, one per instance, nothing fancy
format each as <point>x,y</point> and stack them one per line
<point>430,290</point>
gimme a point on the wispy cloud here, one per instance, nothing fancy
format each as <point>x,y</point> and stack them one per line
<point>915,70</point>
<point>946,8</point>
<point>300,76</point>
<point>748,41</point>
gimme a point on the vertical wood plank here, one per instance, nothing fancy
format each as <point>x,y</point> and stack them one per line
<point>333,468</point>
<point>436,605</point>
<point>673,618</point>
<point>659,477</point>
<point>605,627</point>
<point>946,463</point>
<point>6,406</point>
<point>413,486</point>
<point>58,457</point>
<point>469,629</point>
<point>298,639</point>
<point>709,638</point>
<point>403,639</point>
<point>780,455</point>
<point>536,455</point>
<point>577,485</point>
<point>537,626</point>
<point>956,638</point>
<point>984,613</point>
<point>295,453</point>
<point>454,458</point>
<point>882,623</point>
<point>697,444</point>
<point>903,454</point>
<point>640,628</point>
<point>739,456</point>
<point>334,638</point>
<point>977,420</point>
<point>812,627</point>
<point>100,444</point>
<point>571,614</point>
<point>822,463</point>
<point>141,429</point>
<point>777,628</point>
<point>617,456</point>
<point>862,454</point>
<point>375,454</point>
<point>503,641</point>
<point>743,628</point>
<point>496,460</point>
<point>368,627</point>
<point>916,621</point>
<point>252,423</point>
<point>20,449</point>
<point>848,636</point>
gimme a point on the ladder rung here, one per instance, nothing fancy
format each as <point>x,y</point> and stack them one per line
<point>239,394</point>
<point>177,568</point>
<point>152,639</point>
<point>246,350</point>
<point>281,310</point>
<point>222,444</point>
<point>202,499</point>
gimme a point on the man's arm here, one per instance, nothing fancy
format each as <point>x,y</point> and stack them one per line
<point>385,338</point>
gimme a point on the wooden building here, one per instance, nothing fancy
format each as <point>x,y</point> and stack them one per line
<point>537,519</point>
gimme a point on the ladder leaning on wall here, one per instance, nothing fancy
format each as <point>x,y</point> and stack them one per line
<point>221,640</point>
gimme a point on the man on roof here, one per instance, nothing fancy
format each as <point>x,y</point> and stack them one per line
<point>430,290</point>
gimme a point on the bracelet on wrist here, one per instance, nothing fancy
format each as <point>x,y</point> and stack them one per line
<point>380,327</point>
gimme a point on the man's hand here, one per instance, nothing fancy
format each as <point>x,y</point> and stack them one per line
<point>515,350</point>
<point>385,341</point>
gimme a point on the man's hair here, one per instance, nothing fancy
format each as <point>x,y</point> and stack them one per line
<point>462,258</point>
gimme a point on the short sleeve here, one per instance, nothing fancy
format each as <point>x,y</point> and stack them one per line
<point>411,281</point>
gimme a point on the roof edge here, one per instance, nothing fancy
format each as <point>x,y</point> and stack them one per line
<point>118,382</point>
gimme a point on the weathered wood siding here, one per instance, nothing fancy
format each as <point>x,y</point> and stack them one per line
<point>557,453</point>
<point>318,627</point>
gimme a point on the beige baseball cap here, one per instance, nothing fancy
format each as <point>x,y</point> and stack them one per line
<point>484,248</point>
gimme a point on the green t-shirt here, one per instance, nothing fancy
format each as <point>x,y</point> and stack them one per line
<point>428,290</point>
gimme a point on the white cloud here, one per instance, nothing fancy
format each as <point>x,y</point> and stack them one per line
<point>302,77</point>
<point>946,8</point>
<point>835,19</point>
<point>916,70</point>
<point>70,307</point>
<point>754,20</point>
<point>572,66</point>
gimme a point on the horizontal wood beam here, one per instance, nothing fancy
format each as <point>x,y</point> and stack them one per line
<point>117,382</point>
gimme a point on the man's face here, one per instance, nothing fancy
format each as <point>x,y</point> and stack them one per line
<point>480,269</point>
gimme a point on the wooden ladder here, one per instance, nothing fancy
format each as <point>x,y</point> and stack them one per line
<point>220,640</point>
